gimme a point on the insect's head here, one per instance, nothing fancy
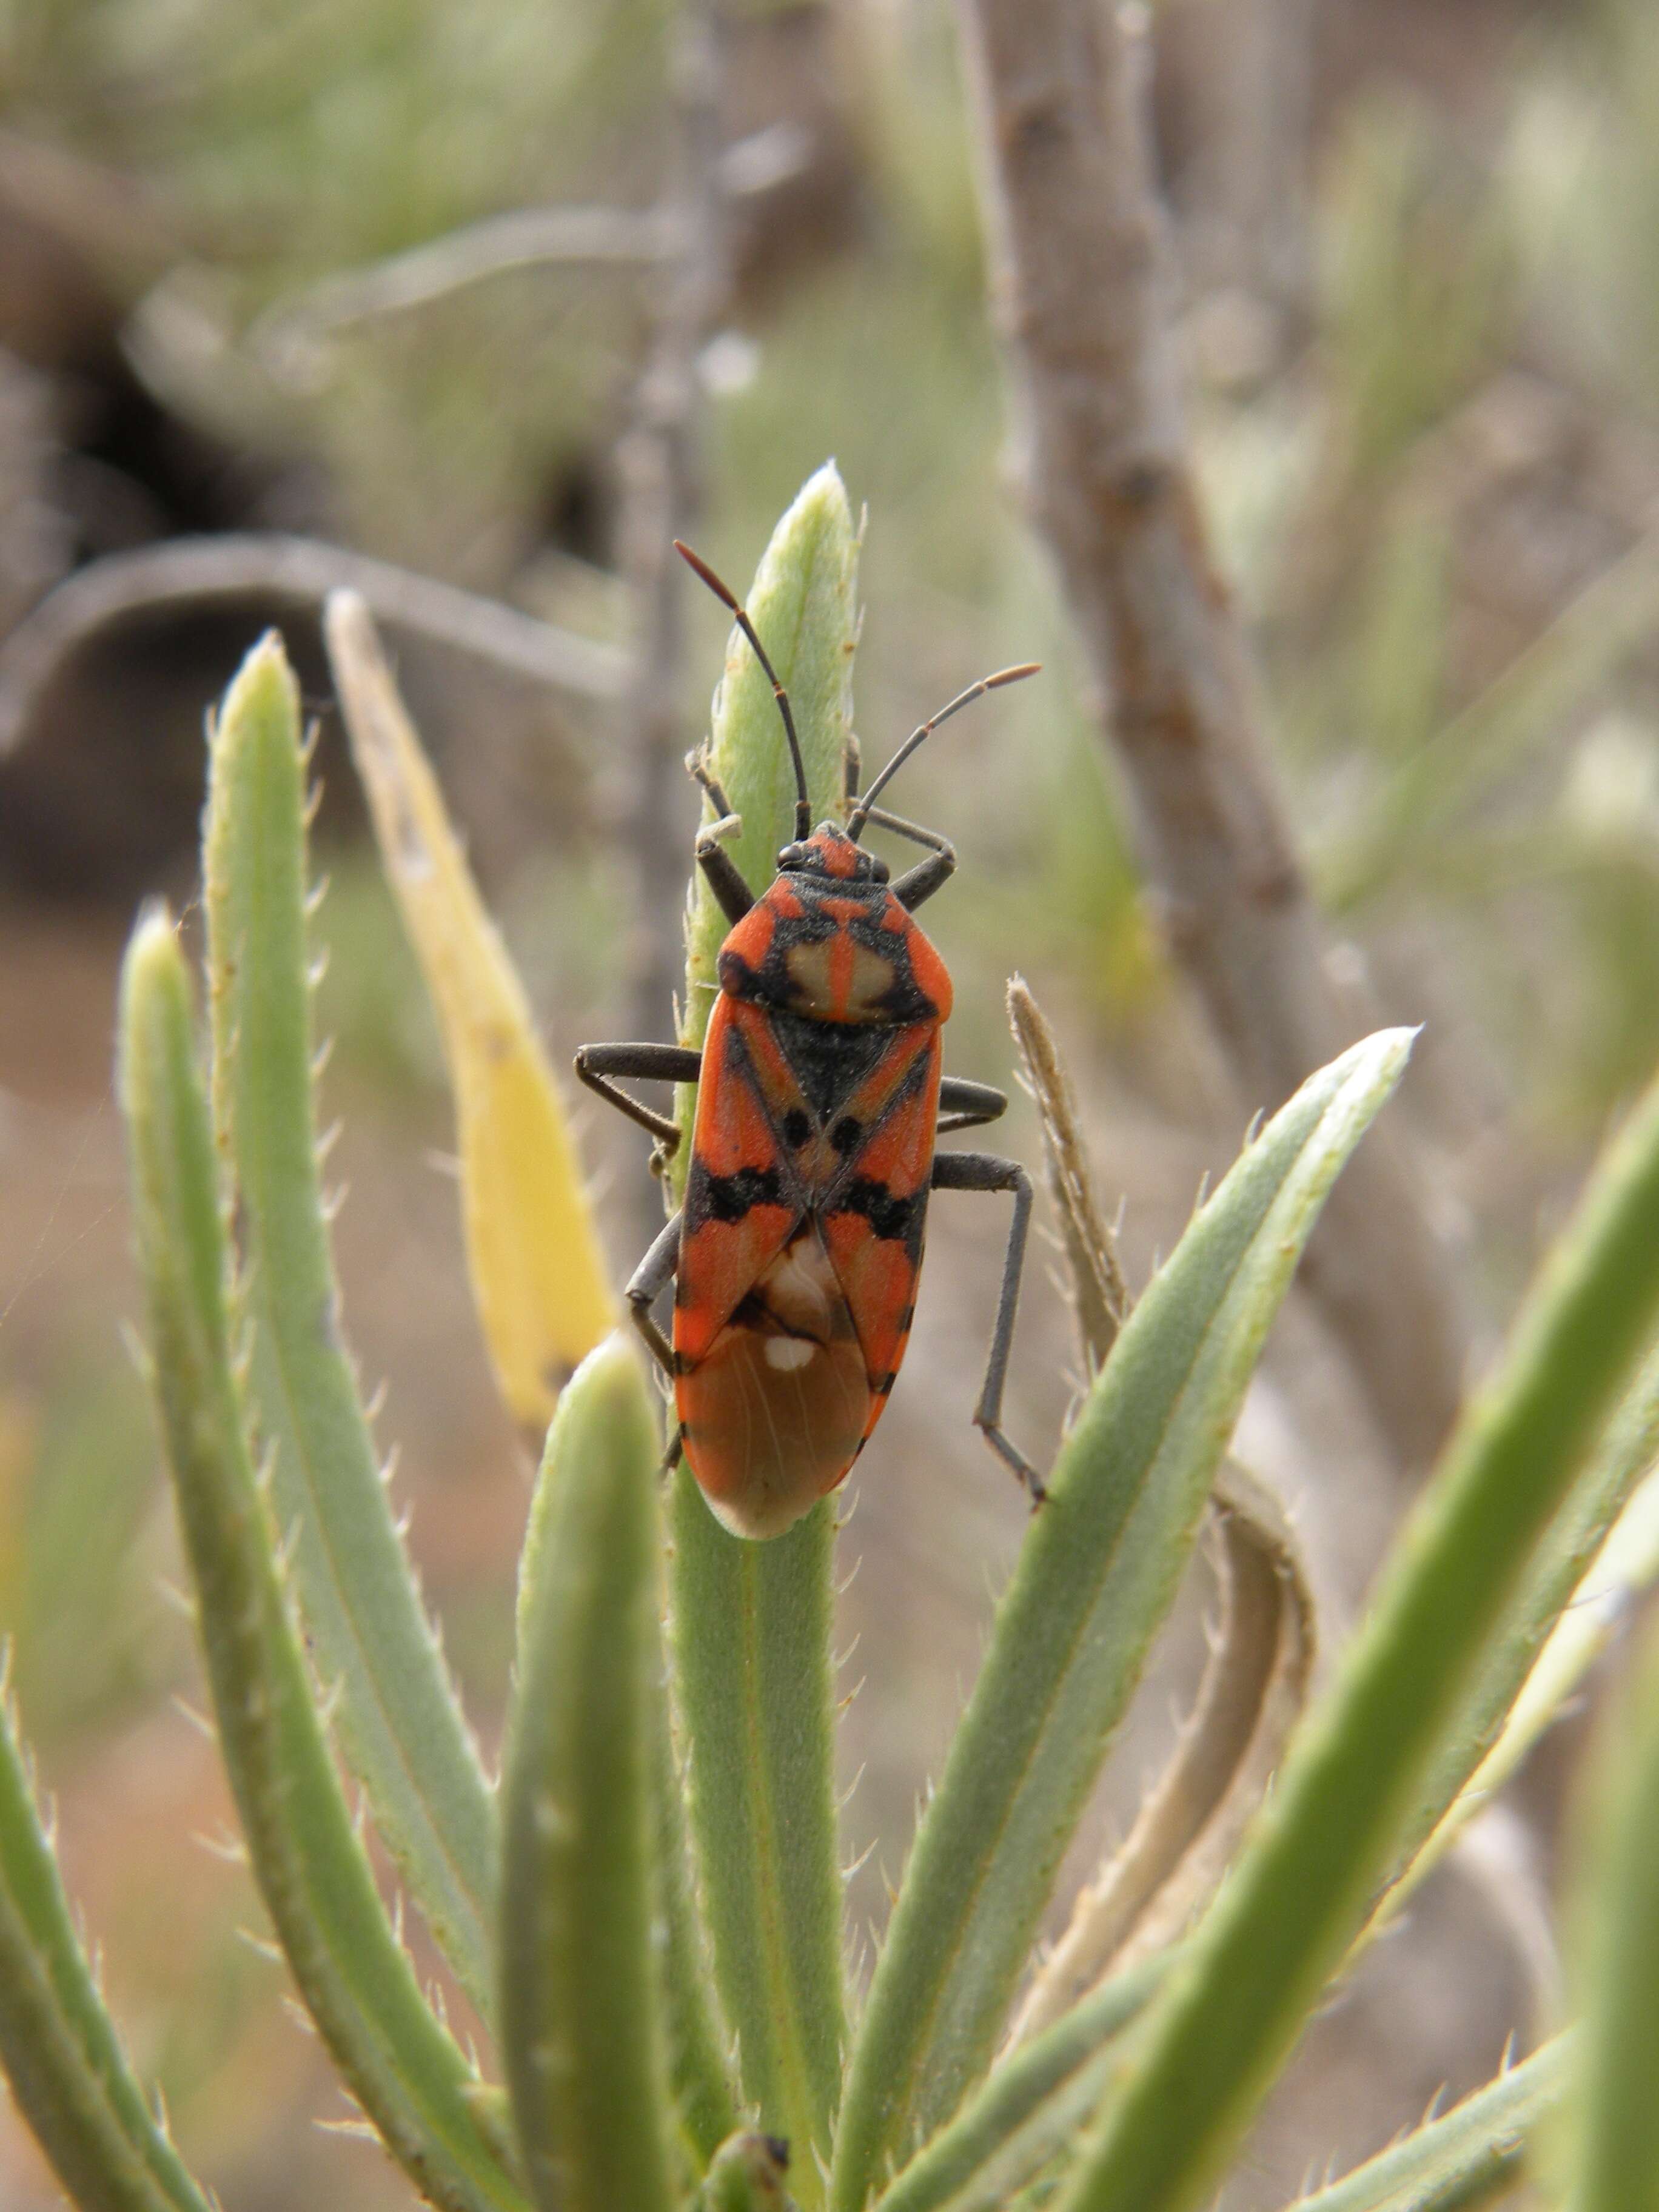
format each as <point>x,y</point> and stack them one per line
<point>832,855</point>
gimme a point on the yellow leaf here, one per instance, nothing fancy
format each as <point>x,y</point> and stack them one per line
<point>538,1277</point>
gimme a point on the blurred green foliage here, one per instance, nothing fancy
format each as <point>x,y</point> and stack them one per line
<point>83,1541</point>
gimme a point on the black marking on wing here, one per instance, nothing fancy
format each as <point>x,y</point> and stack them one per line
<point>893,1218</point>
<point>728,1198</point>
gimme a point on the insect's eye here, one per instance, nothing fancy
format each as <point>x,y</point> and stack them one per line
<point>792,856</point>
<point>879,871</point>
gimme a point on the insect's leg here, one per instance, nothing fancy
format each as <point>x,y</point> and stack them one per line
<point>697,768</point>
<point>724,877</point>
<point>985,1171</point>
<point>647,1285</point>
<point>597,1065</point>
<point>965,1105</point>
<point>925,879</point>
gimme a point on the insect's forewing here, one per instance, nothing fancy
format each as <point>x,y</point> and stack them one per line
<point>875,1217</point>
<point>771,1393</point>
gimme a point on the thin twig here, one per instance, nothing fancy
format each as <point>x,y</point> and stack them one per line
<point>1080,254</point>
<point>522,239</point>
<point>197,572</point>
<point>1260,1664</point>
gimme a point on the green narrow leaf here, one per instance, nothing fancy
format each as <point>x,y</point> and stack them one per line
<point>750,1622</point>
<point>695,2038</point>
<point>1467,2157</point>
<point>1217,2036</point>
<point>67,2073</point>
<point>696,2041</point>
<point>1096,1575</point>
<point>399,1725</point>
<point>1029,2110</point>
<point>1614,2125</point>
<point>751,1642</point>
<point>357,1982</point>
<point>580,2003</point>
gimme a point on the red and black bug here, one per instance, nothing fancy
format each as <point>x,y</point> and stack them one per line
<point>820,1096</point>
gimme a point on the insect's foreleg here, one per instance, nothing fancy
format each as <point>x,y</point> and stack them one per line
<point>647,1285</point>
<point>985,1171</point>
<point>724,877</point>
<point>921,882</point>
<point>597,1065</point>
<point>965,1105</point>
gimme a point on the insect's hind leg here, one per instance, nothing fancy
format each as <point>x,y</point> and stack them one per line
<point>986,1172</point>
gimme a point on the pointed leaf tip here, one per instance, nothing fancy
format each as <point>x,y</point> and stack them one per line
<point>264,685</point>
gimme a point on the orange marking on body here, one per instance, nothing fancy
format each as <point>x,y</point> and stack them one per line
<point>750,939</point>
<point>835,854</point>
<point>842,966</point>
<point>931,977</point>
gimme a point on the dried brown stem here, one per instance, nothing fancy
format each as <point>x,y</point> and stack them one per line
<point>199,571</point>
<point>1080,261</point>
<point>1253,1689</point>
<point>1100,1297</point>
<point>1261,1659</point>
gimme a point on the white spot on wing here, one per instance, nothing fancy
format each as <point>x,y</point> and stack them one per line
<point>788,1352</point>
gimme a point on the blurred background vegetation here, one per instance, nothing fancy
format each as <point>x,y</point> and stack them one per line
<point>1420,321</point>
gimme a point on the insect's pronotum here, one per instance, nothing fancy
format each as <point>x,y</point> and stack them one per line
<point>820,1094</point>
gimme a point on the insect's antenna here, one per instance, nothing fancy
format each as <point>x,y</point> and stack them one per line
<point>861,814</point>
<point>803,804</point>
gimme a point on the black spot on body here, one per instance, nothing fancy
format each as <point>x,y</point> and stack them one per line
<point>847,1133</point>
<point>796,1127</point>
